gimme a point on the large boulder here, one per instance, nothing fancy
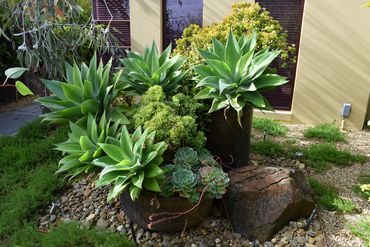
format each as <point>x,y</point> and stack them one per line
<point>261,200</point>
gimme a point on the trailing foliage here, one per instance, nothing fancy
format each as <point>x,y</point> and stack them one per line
<point>235,74</point>
<point>328,198</point>
<point>144,71</point>
<point>82,146</point>
<point>132,163</point>
<point>326,132</point>
<point>87,90</point>
<point>192,173</point>
<point>272,127</point>
<point>244,18</point>
<point>166,119</point>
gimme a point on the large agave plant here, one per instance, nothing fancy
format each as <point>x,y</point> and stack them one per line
<point>82,147</point>
<point>88,89</point>
<point>144,71</point>
<point>132,163</point>
<point>235,74</point>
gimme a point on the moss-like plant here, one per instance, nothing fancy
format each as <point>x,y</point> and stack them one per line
<point>273,127</point>
<point>157,114</point>
<point>243,19</point>
<point>326,132</point>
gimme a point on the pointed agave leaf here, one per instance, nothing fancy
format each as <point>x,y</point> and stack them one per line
<point>261,62</point>
<point>232,52</point>
<point>270,80</point>
<point>238,104</point>
<point>211,81</point>
<point>134,192</point>
<point>72,92</point>
<point>220,68</point>
<point>151,184</point>
<point>69,73</point>
<point>86,144</point>
<point>249,44</point>
<point>204,94</point>
<point>207,55</point>
<point>55,87</point>
<point>218,48</point>
<point>153,171</point>
<point>88,90</point>
<point>76,130</point>
<point>255,98</point>
<point>203,70</point>
<point>54,103</point>
<point>104,162</point>
<point>222,85</point>
<point>218,104</point>
<point>90,106</point>
<point>165,55</point>
<point>138,179</point>
<point>112,151</point>
<point>126,143</point>
<point>77,79</point>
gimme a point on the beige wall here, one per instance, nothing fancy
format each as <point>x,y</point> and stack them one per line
<point>333,62</point>
<point>146,23</point>
<point>215,10</point>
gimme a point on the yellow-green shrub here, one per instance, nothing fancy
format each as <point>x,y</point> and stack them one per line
<point>244,18</point>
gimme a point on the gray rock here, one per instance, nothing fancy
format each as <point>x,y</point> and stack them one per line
<point>217,240</point>
<point>139,234</point>
<point>102,223</point>
<point>52,218</point>
<point>268,244</point>
<point>176,241</point>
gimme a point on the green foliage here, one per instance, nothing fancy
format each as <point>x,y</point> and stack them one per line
<point>328,198</point>
<point>244,18</point>
<point>322,154</point>
<point>144,71</point>
<point>185,183</point>
<point>86,90</point>
<point>267,148</point>
<point>193,172</point>
<point>161,116</point>
<point>215,180</point>
<point>363,189</point>
<point>362,228</point>
<point>235,74</point>
<point>132,163</point>
<point>82,146</point>
<point>325,132</point>
<point>186,157</point>
<point>70,234</point>
<point>273,127</point>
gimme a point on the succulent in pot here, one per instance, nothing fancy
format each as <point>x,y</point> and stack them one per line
<point>87,89</point>
<point>144,71</point>
<point>233,77</point>
<point>82,147</point>
<point>235,74</point>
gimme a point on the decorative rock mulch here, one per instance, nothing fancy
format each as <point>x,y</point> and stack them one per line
<point>87,204</point>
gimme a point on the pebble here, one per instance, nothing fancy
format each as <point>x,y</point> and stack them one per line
<point>102,223</point>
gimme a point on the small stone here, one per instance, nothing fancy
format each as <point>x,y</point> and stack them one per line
<point>246,243</point>
<point>87,192</point>
<point>311,240</point>
<point>217,240</point>
<point>268,244</point>
<point>53,218</point>
<point>139,234</point>
<point>121,229</point>
<point>90,217</point>
<point>147,235</point>
<point>64,199</point>
<point>193,245</point>
<point>237,235</point>
<point>312,234</point>
<point>228,235</point>
<point>316,226</point>
<point>300,240</point>
<point>293,224</point>
<point>102,223</point>
<point>301,232</point>
<point>155,235</point>
<point>176,241</point>
<point>44,223</point>
<point>288,235</point>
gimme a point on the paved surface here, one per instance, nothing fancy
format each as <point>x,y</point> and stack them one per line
<point>11,121</point>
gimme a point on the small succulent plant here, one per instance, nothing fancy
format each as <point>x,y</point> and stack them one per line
<point>185,183</point>
<point>186,157</point>
<point>215,179</point>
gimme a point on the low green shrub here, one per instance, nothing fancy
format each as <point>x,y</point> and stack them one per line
<point>326,132</point>
<point>363,180</point>
<point>273,127</point>
<point>69,234</point>
<point>327,153</point>
<point>362,230</point>
<point>268,148</point>
<point>329,198</point>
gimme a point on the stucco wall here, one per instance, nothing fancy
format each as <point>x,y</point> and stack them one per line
<point>333,62</point>
<point>215,10</point>
<point>146,23</point>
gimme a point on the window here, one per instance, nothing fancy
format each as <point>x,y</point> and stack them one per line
<point>178,14</point>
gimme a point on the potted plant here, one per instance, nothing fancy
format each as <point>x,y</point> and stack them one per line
<point>232,77</point>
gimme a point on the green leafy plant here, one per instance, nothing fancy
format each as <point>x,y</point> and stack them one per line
<point>215,180</point>
<point>132,163</point>
<point>235,74</point>
<point>159,115</point>
<point>243,19</point>
<point>363,189</point>
<point>329,198</point>
<point>88,89</point>
<point>325,132</point>
<point>273,127</point>
<point>15,73</point>
<point>82,146</point>
<point>186,157</point>
<point>144,71</point>
<point>362,228</point>
<point>185,183</point>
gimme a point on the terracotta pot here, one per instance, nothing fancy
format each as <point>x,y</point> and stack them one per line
<point>228,140</point>
<point>148,204</point>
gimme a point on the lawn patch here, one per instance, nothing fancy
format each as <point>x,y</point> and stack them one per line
<point>326,132</point>
<point>70,234</point>
<point>272,127</point>
<point>329,198</point>
<point>362,230</point>
<point>267,148</point>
